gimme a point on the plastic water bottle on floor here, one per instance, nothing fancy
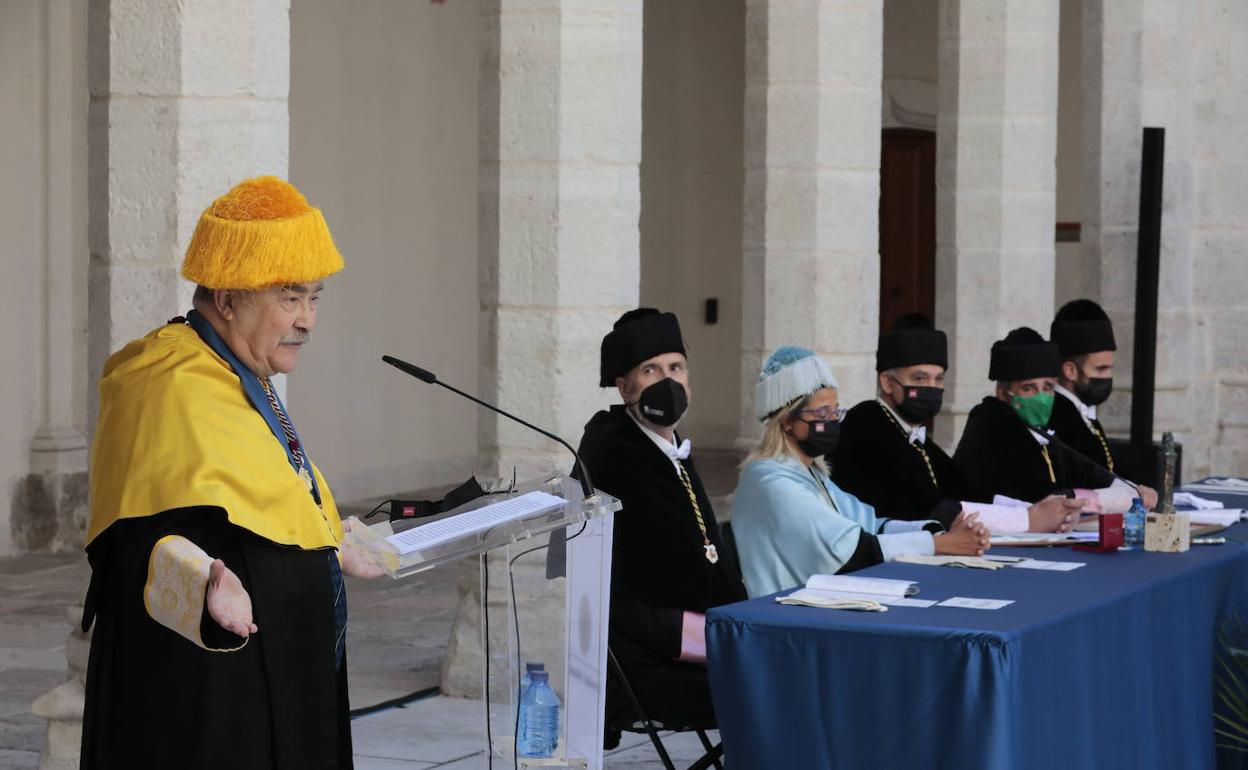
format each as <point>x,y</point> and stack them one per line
<point>1133,526</point>
<point>539,718</point>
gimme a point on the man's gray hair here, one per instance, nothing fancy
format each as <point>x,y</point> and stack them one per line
<point>201,297</point>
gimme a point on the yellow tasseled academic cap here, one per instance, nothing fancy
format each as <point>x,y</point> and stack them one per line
<point>261,233</point>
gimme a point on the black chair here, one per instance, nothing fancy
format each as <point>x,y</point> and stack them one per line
<point>644,724</point>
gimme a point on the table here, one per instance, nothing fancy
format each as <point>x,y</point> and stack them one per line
<point>1109,665</point>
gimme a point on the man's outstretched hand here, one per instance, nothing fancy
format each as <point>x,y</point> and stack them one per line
<point>227,600</point>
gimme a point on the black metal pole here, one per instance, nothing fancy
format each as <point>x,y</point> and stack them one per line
<point>1147,283</point>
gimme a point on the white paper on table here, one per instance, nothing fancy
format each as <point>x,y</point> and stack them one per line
<point>474,521</point>
<point>1224,518</point>
<point>1199,503</point>
<point>975,604</point>
<point>814,597</point>
<point>1231,482</point>
<point>969,562</point>
<point>1040,537</point>
<point>1055,566</point>
<point>1219,485</point>
<point>873,587</point>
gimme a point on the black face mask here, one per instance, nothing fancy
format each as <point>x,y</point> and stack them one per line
<point>1096,391</point>
<point>921,403</point>
<point>663,403</point>
<point>824,437</point>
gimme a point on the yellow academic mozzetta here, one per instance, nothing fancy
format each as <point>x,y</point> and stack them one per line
<point>176,430</point>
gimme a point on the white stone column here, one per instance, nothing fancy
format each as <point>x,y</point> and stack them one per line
<point>996,148</point>
<point>811,268</point>
<point>560,133</point>
<point>1217,123</point>
<point>187,99</point>
<point>50,508</point>
<point>1112,92</point>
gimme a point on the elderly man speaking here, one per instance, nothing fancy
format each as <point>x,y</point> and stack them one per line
<point>217,574</point>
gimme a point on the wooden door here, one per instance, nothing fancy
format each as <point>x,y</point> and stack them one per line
<point>907,224</point>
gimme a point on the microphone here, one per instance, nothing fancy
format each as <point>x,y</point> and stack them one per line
<point>1051,435</point>
<point>424,375</point>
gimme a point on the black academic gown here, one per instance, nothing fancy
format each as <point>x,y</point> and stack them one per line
<point>1075,433</point>
<point>658,571</point>
<point>876,463</point>
<point>998,452</point>
<point>155,700</point>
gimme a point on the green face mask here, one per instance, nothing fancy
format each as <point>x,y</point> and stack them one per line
<point>1035,410</point>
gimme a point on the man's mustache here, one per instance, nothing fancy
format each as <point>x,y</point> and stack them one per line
<point>298,338</point>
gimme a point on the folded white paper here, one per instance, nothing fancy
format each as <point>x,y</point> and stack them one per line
<point>1223,518</point>
<point>975,604</point>
<point>972,562</point>
<point>1043,537</point>
<point>1199,503</point>
<point>830,600</point>
<point>851,584</point>
<point>1055,566</point>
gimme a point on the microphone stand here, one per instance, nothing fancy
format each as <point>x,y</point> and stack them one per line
<point>424,375</point>
<point>1052,436</point>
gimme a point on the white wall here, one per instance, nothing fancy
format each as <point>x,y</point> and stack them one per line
<point>692,178</point>
<point>383,123</point>
<point>43,99</point>
<point>22,287</point>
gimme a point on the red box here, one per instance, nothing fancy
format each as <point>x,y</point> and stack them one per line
<point>1111,530</point>
<point>1110,534</point>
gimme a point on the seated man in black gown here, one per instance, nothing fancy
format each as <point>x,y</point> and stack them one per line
<point>669,561</point>
<point>1084,337</point>
<point>887,456</point>
<point>1007,444</point>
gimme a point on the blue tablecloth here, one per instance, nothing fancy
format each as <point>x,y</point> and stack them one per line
<point>1108,666</point>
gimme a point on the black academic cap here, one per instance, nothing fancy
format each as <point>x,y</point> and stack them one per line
<point>637,336</point>
<point>1080,327</point>
<point>1023,355</point>
<point>912,341</point>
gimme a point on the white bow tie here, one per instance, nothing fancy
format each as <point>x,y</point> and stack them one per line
<point>682,451</point>
<point>918,435</point>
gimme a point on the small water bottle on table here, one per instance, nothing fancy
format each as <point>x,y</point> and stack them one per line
<point>539,718</point>
<point>1133,526</point>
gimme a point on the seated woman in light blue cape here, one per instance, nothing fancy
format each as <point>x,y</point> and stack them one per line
<point>790,520</point>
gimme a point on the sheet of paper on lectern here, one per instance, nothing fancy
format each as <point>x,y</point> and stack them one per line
<point>475,521</point>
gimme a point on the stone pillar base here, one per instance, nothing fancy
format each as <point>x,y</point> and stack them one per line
<point>50,511</point>
<point>63,706</point>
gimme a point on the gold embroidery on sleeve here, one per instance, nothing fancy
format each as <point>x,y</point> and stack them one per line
<point>177,580</point>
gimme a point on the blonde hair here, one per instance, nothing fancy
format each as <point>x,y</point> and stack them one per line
<point>774,444</point>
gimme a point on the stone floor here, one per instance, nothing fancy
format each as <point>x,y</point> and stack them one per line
<point>398,637</point>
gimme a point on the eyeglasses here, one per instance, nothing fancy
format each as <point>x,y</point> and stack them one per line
<point>824,413</point>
